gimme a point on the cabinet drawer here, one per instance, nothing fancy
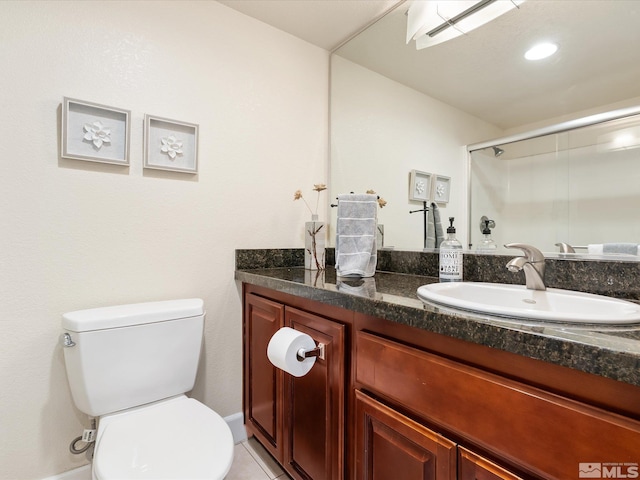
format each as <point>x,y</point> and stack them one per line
<point>474,467</point>
<point>537,431</point>
<point>392,446</point>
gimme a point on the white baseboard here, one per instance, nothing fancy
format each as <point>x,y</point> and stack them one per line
<point>235,422</point>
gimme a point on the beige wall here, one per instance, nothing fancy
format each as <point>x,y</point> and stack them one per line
<point>77,235</point>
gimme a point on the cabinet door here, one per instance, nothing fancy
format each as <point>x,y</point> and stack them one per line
<point>475,467</point>
<point>530,428</point>
<point>314,419</point>
<point>262,381</point>
<point>390,446</point>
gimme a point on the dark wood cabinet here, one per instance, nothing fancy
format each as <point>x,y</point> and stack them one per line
<point>539,433</point>
<point>390,401</point>
<point>315,403</point>
<point>263,383</point>
<point>474,467</point>
<point>299,420</point>
<point>390,446</point>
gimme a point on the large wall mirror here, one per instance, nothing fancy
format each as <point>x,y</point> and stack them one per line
<point>395,109</point>
<point>576,190</point>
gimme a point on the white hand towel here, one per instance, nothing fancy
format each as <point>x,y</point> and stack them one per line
<point>625,248</point>
<point>356,250</point>
<point>595,248</point>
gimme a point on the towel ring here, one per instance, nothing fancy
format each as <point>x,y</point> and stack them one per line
<point>333,205</point>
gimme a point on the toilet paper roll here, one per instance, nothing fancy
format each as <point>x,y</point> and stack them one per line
<point>283,348</point>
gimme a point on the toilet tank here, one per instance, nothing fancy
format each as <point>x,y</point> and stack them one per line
<point>124,356</point>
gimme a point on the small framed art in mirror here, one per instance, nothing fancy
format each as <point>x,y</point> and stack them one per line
<point>419,186</point>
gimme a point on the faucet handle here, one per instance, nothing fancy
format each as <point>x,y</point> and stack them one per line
<point>565,247</point>
<point>532,253</point>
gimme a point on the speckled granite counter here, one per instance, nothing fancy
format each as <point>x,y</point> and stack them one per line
<point>605,351</point>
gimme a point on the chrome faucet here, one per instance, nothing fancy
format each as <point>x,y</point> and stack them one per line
<point>532,265</point>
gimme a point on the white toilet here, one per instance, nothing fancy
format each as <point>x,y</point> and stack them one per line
<point>130,367</point>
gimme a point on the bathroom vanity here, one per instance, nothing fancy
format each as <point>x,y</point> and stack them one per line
<point>412,391</point>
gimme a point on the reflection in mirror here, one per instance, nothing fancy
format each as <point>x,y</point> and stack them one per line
<point>395,109</point>
<point>577,187</point>
<point>380,132</point>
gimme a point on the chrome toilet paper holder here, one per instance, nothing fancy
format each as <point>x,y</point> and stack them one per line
<point>314,352</point>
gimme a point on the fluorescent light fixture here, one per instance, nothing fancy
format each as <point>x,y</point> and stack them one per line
<point>430,22</point>
<point>540,51</point>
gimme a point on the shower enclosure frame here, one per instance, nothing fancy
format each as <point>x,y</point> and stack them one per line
<point>586,121</point>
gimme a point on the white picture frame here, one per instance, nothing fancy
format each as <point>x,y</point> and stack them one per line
<point>441,189</point>
<point>170,145</point>
<point>95,132</point>
<point>419,186</point>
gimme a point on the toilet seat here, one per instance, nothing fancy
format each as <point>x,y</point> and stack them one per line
<point>178,438</point>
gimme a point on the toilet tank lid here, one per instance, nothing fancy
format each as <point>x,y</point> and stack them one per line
<point>129,315</point>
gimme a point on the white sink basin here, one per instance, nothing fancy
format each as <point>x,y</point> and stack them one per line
<point>517,301</point>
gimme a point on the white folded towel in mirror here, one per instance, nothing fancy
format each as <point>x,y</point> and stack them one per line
<point>356,250</point>
<point>624,248</point>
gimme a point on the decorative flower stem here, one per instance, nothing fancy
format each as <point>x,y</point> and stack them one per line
<point>314,251</point>
<point>315,235</point>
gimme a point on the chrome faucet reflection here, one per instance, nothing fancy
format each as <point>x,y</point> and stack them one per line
<point>532,264</point>
<point>565,248</point>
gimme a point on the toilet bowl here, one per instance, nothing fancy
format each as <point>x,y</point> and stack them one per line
<point>130,366</point>
<point>178,438</point>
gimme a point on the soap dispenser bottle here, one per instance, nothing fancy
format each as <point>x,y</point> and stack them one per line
<point>451,256</point>
<point>487,245</point>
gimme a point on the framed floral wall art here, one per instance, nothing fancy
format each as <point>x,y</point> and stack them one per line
<point>95,132</point>
<point>170,145</point>
<point>441,188</point>
<point>419,186</point>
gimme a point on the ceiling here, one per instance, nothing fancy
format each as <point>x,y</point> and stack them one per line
<point>483,73</point>
<point>325,23</point>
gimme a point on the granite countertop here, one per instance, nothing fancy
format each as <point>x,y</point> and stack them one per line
<point>612,352</point>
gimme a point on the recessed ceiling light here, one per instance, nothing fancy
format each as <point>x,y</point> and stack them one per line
<point>540,51</point>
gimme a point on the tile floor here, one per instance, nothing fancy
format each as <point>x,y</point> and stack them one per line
<point>252,462</point>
